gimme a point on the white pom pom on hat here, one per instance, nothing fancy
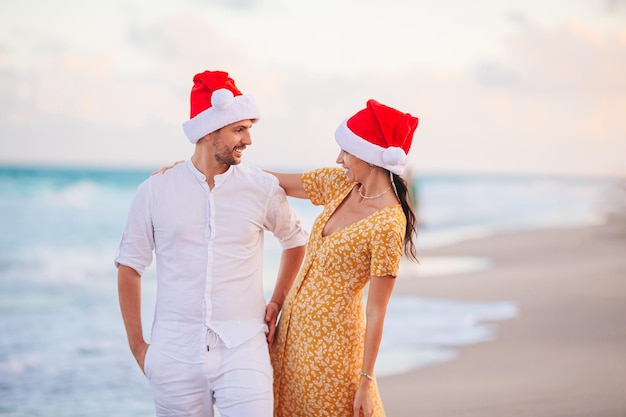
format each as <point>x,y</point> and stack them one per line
<point>222,98</point>
<point>380,135</point>
<point>216,102</point>
<point>394,156</point>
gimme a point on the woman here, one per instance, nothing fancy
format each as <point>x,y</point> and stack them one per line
<point>325,351</point>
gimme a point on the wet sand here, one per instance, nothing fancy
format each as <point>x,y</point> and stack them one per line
<point>563,355</point>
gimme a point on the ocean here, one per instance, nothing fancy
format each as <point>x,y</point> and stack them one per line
<point>63,350</point>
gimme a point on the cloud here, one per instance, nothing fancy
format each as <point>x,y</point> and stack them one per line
<point>234,4</point>
<point>571,57</point>
<point>615,6</point>
<point>179,36</point>
<point>494,74</point>
<point>65,140</point>
<point>569,102</point>
<point>552,103</point>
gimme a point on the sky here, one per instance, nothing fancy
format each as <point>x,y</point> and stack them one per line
<point>499,86</point>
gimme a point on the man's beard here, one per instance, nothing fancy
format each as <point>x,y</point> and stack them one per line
<point>224,155</point>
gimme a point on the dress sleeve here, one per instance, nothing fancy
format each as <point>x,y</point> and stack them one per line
<point>323,184</point>
<point>386,246</point>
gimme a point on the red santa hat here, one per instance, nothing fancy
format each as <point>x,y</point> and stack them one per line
<point>216,102</point>
<point>378,134</point>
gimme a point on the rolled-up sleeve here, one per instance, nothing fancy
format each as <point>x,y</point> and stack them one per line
<point>137,243</point>
<point>282,221</point>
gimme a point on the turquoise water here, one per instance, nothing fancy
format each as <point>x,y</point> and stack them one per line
<point>63,350</point>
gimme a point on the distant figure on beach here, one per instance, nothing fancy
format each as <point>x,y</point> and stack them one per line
<point>325,351</point>
<point>205,219</point>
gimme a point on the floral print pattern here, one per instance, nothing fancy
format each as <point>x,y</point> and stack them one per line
<point>318,351</point>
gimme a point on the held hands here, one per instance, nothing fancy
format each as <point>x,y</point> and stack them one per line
<point>271,315</point>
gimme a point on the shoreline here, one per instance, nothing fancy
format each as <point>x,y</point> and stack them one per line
<point>563,355</point>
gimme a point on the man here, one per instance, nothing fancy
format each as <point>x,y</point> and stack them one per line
<point>205,221</point>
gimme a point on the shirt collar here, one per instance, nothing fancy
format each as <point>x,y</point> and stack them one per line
<point>201,178</point>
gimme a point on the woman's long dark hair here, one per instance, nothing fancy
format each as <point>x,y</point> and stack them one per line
<point>402,191</point>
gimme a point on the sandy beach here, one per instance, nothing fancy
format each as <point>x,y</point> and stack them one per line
<point>563,355</point>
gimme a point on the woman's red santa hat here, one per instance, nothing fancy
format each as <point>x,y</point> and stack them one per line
<point>216,102</point>
<point>378,134</point>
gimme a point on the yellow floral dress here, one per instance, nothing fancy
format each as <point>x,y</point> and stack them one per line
<point>318,351</point>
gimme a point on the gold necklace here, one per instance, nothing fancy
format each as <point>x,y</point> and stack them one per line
<point>371,197</point>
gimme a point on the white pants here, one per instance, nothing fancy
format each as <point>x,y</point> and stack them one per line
<point>237,380</point>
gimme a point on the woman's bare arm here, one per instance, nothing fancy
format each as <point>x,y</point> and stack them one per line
<point>291,183</point>
<point>377,299</point>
